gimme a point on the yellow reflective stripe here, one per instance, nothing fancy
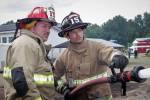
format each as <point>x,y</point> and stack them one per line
<point>39,79</point>
<point>79,82</point>
<point>74,82</point>
<point>44,82</point>
<point>7,72</point>
<point>43,79</point>
<point>102,75</point>
<point>110,98</point>
<point>85,80</point>
<point>60,83</point>
<point>38,98</point>
<point>43,76</point>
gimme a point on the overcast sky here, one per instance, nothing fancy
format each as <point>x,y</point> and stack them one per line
<point>93,11</point>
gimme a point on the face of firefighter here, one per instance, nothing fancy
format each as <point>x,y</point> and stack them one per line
<point>76,36</point>
<point>41,29</point>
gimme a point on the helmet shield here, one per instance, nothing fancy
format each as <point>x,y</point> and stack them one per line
<point>50,14</point>
<point>70,22</point>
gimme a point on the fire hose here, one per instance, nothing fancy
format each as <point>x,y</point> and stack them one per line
<point>138,74</point>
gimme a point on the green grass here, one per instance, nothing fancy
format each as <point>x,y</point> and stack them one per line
<point>141,61</point>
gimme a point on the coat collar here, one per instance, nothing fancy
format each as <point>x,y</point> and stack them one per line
<point>36,38</point>
<point>29,33</point>
<point>81,47</point>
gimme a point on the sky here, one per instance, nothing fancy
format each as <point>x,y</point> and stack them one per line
<point>93,11</point>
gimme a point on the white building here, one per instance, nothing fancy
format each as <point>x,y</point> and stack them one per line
<point>58,43</point>
<point>6,35</point>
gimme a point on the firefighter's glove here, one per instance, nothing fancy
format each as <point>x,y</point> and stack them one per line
<point>68,96</point>
<point>118,61</point>
<point>67,93</point>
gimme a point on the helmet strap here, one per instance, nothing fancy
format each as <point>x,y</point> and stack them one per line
<point>16,31</point>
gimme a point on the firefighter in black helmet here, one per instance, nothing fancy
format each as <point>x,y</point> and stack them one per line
<point>83,61</point>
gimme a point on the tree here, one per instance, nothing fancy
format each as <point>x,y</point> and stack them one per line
<point>9,22</point>
<point>146,23</point>
<point>139,26</point>
<point>116,29</point>
<point>132,31</point>
<point>93,31</point>
<point>120,29</point>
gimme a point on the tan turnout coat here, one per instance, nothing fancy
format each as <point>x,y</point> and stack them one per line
<point>28,51</point>
<point>86,61</point>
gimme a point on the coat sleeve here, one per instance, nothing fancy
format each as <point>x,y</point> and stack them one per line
<point>23,63</point>
<point>59,71</point>
<point>105,53</point>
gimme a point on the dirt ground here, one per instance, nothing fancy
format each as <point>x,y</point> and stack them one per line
<point>134,91</point>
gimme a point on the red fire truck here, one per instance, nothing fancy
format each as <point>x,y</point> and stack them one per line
<point>142,45</point>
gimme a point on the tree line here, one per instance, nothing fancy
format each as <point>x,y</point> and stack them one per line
<point>8,22</point>
<point>120,29</point>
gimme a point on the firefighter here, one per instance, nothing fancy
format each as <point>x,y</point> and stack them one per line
<point>135,54</point>
<point>83,61</point>
<point>28,72</point>
<point>129,51</point>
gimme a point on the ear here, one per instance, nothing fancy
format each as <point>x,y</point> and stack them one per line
<point>31,29</point>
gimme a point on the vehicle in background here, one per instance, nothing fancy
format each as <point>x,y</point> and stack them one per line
<point>142,45</point>
<point>114,41</point>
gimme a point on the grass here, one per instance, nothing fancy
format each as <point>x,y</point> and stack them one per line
<point>141,61</point>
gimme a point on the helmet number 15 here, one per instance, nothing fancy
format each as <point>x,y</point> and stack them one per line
<point>74,20</point>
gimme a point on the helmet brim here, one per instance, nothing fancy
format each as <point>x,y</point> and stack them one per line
<point>26,20</point>
<point>80,25</point>
<point>49,20</point>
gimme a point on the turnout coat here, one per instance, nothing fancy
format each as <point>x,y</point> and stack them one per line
<point>28,73</point>
<point>87,61</point>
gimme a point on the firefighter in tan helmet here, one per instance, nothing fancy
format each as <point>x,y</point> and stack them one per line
<point>28,73</point>
<point>83,61</point>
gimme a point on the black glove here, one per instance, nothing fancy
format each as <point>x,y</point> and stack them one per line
<point>67,93</point>
<point>118,61</point>
<point>68,96</point>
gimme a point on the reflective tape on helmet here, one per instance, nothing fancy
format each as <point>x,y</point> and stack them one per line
<point>60,83</point>
<point>30,24</point>
<point>43,79</point>
<point>38,98</point>
<point>39,79</point>
<point>79,82</point>
<point>7,72</point>
<point>65,35</point>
